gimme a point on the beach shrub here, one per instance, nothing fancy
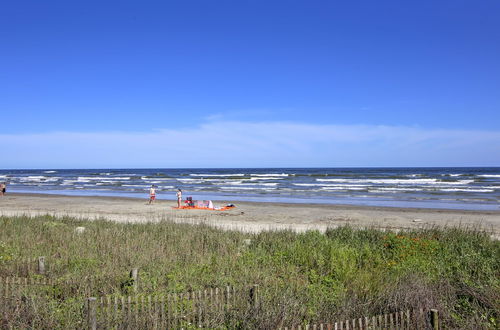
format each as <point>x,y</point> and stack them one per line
<point>6,253</point>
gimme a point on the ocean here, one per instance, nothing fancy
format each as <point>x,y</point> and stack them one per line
<point>474,188</point>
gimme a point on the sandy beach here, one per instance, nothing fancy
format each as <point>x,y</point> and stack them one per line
<point>247,216</point>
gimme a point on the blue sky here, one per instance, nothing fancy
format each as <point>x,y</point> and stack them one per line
<point>249,83</point>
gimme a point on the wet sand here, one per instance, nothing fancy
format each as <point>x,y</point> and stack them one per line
<point>247,216</point>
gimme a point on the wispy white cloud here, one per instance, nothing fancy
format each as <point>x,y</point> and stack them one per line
<point>265,144</point>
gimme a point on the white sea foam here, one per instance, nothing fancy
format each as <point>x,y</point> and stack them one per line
<point>438,187</point>
<point>239,183</point>
<point>382,191</point>
<point>53,179</point>
<point>33,178</point>
<point>309,184</point>
<point>68,182</point>
<point>215,181</point>
<point>49,171</point>
<point>490,175</point>
<point>226,182</point>
<point>270,174</point>
<point>38,178</point>
<point>459,182</point>
<point>241,188</point>
<point>266,178</point>
<point>221,175</point>
<point>246,188</point>
<point>434,189</point>
<point>330,185</point>
<point>157,179</point>
<point>399,189</point>
<point>154,181</point>
<point>334,180</point>
<point>95,178</point>
<point>466,190</point>
<point>190,180</point>
<point>381,181</point>
<point>398,181</point>
<point>342,188</point>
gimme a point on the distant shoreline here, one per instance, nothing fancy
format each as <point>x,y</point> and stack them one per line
<point>267,203</point>
<point>248,216</point>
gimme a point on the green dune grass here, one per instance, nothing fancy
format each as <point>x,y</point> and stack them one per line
<point>309,277</point>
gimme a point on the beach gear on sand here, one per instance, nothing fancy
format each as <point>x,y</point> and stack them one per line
<point>191,204</point>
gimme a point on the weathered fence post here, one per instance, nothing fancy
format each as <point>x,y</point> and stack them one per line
<point>91,313</point>
<point>134,275</point>
<point>434,319</point>
<point>41,265</point>
<point>253,295</point>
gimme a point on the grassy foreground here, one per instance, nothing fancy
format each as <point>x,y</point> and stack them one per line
<point>343,273</point>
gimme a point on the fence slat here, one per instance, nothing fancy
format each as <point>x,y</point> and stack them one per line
<point>41,265</point>
<point>174,308</point>
<point>434,319</point>
<point>91,313</point>
<point>153,307</point>
<point>169,309</point>
<point>162,312</point>
<point>198,308</point>
<point>217,298</point>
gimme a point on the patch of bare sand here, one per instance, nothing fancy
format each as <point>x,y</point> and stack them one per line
<point>249,217</point>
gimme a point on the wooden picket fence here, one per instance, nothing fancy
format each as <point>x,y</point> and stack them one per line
<point>17,286</point>
<point>401,320</point>
<point>25,267</point>
<point>202,309</point>
<point>209,308</point>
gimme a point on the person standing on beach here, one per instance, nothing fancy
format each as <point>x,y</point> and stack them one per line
<point>179,198</point>
<point>3,188</point>
<point>152,194</point>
